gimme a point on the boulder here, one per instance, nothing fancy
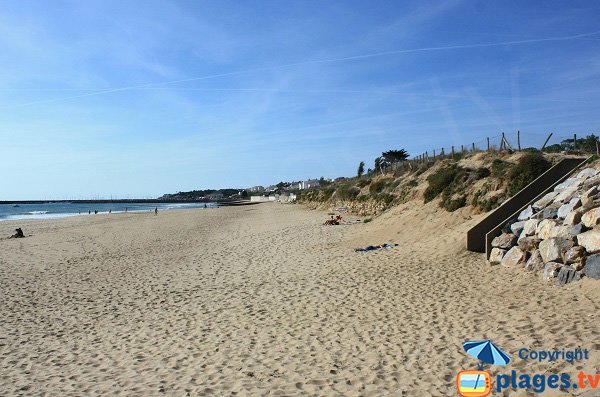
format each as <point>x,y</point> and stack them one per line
<point>587,203</point>
<point>535,262</point>
<point>517,227</point>
<point>587,173</point>
<point>530,226</point>
<point>566,194</point>
<point>551,270</point>
<point>544,227</point>
<point>550,212</point>
<point>573,218</point>
<point>591,218</point>
<point>544,201</point>
<point>538,215</point>
<point>566,275</point>
<point>575,202</point>
<point>504,241</point>
<point>553,249</point>
<point>592,267</point>
<point>568,184</point>
<point>575,254</point>
<point>560,231</point>
<point>496,256</point>
<point>577,230</point>
<point>529,243</point>
<point>567,208</point>
<point>526,214</point>
<point>592,181</point>
<point>590,240</point>
<point>590,193</point>
<point>521,237</point>
<point>514,257</point>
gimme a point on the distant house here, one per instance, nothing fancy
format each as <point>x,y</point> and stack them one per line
<point>271,188</point>
<point>215,196</point>
<point>257,189</point>
<point>309,184</point>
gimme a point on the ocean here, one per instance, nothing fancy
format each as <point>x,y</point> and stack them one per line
<point>66,209</point>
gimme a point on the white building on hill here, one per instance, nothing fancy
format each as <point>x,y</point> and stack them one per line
<point>309,184</point>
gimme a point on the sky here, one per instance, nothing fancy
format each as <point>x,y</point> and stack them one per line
<point>135,99</point>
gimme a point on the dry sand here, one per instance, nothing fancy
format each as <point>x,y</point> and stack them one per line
<point>264,300</point>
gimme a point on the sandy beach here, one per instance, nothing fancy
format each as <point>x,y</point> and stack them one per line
<point>265,300</point>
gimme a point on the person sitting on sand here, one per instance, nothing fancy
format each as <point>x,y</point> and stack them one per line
<point>18,233</point>
<point>331,221</point>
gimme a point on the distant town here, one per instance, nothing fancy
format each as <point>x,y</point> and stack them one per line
<point>283,191</point>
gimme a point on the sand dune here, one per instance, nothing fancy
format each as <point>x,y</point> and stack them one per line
<point>264,300</point>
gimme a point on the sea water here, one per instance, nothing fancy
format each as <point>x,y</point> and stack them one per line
<point>66,209</point>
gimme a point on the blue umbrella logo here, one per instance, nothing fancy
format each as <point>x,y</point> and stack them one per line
<point>486,352</point>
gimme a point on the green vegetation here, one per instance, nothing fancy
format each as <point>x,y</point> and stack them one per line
<point>455,185</point>
<point>385,198</point>
<point>485,204</point>
<point>347,192</point>
<point>199,194</point>
<point>379,186</point>
<point>361,169</point>
<point>483,172</point>
<point>363,182</point>
<point>500,168</point>
<point>441,180</point>
<point>377,164</point>
<point>324,182</point>
<point>393,156</point>
<point>526,171</point>
<point>452,205</point>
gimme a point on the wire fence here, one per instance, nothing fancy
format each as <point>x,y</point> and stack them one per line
<point>509,142</point>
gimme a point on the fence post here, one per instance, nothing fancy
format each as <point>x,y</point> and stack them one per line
<point>442,152</point>
<point>452,151</point>
<point>597,148</point>
<point>575,141</point>
<point>433,154</point>
<point>519,140</point>
<point>488,144</point>
<point>503,142</point>
<point>473,146</point>
<point>545,142</point>
<point>462,149</point>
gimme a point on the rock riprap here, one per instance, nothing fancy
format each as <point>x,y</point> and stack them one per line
<point>558,236</point>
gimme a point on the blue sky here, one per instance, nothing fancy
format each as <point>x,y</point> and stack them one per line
<point>137,99</point>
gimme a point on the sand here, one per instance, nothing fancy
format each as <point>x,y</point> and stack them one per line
<point>264,300</point>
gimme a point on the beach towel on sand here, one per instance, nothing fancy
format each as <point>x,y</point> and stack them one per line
<point>375,247</point>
